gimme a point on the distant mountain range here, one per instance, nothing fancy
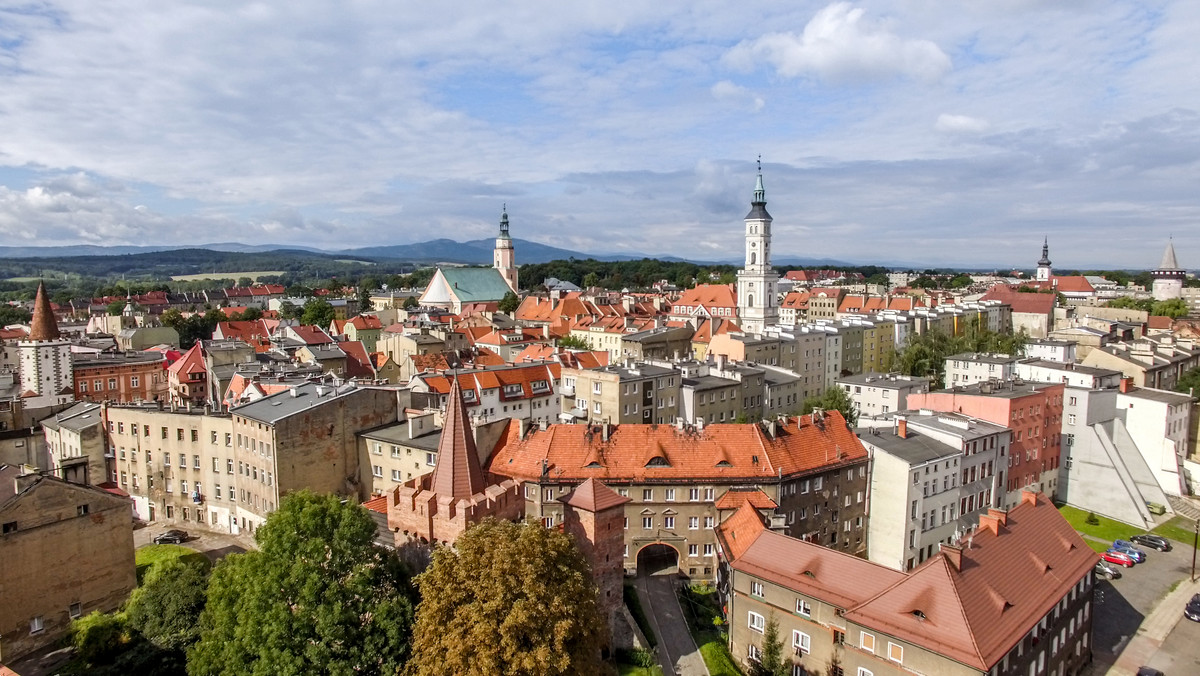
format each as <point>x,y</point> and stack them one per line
<point>474,252</point>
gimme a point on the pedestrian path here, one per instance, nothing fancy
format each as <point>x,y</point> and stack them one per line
<point>1184,507</point>
<point>677,652</point>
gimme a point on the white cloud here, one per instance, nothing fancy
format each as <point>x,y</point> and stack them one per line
<point>959,124</point>
<point>838,45</point>
<point>728,91</point>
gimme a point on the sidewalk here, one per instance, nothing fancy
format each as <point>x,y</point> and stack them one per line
<point>1149,638</point>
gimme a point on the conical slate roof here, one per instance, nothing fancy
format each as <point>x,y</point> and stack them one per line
<point>458,473</point>
<point>1168,259</point>
<point>44,326</point>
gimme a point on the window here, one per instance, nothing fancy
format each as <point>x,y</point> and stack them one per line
<point>753,652</point>
<point>693,550</point>
<point>182,461</point>
<point>377,470</point>
<point>757,622</point>
<point>867,642</point>
<point>863,671</point>
<point>895,652</point>
<point>195,462</point>
<point>396,475</point>
<point>803,608</point>
<point>669,522</point>
<point>74,610</point>
<point>229,466</point>
<point>756,588</point>
<point>9,527</point>
<point>801,642</point>
<point>670,495</point>
<point>431,459</point>
<point>647,522</point>
<point>218,493</point>
<point>693,522</point>
<point>647,494</point>
<point>694,494</point>
<point>708,549</point>
<point>36,625</point>
<point>709,493</point>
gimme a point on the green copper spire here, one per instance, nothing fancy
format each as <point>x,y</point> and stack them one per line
<point>504,221</point>
<point>760,195</point>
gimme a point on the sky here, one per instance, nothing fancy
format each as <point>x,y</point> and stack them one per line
<point>912,132</point>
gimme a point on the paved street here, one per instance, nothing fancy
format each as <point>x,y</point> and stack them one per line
<point>212,545</point>
<point>677,652</point>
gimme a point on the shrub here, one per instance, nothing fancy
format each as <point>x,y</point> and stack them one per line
<point>98,637</point>
<point>1092,519</point>
<point>638,657</point>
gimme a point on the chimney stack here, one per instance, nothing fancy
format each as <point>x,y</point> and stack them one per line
<point>1126,384</point>
<point>1029,497</point>
<point>902,427</point>
<point>953,555</point>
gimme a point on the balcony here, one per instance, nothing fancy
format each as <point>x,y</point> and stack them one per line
<point>567,390</point>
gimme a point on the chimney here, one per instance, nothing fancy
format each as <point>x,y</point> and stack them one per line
<point>1126,384</point>
<point>953,555</point>
<point>604,431</point>
<point>902,427</point>
<point>1029,497</point>
<point>999,514</point>
<point>989,522</point>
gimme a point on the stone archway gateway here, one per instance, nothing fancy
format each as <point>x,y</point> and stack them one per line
<point>658,559</point>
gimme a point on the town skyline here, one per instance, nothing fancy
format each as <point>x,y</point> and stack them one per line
<point>898,135</point>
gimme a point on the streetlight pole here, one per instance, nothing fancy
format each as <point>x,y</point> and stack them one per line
<point>1195,543</point>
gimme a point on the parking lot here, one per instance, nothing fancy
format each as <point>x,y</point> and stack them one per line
<point>212,545</point>
<point>1121,606</point>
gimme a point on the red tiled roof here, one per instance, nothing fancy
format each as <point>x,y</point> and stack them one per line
<point>312,335</point>
<point>740,531</point>
<point>593,496</point>
<point>1025,303</point>
<point>12,334</point>
<point>756,498</point>
<point>1157,322</point>
<point>1008,580</point>
<point>709,296</point>
<point>191,362</point>
<point>796,300</point>
<point>358,362</point>
<point>366,322</point>
<point>718,452</point>
<point>377,504</point>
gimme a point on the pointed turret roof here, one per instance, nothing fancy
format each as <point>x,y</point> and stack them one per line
<point>1168,259</point>
<point>504,222</point>
<point>593,496</point>
<point>1045,259</point>
<point>44,325</point>
<point>458,473</point>
<point>758,205</point>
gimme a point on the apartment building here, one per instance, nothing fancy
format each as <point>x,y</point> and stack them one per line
<point>121,377</point>
<point>812,471</point>
<point>1033,411</point>
<point>972,609</point>
<point>974,367</point>
<point>75,444</point>
<point>522,391</point>
<point>628,392</point>
<point>1157,362</point>
<point>877,394</point>
<point>227,471</point>
<point>932,475</point>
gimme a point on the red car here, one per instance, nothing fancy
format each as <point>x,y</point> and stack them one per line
<point>1119,558</point>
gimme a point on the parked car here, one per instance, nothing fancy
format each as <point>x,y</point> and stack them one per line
<point>171,537</point>
<point>1134,553</point>
<point>1118,557</point>
<point>1157,542</point>
<point>1192,609</point>
<point>1108,570</point>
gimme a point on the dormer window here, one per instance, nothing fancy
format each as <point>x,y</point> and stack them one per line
<point>469,395</point>
<point>658,461</point>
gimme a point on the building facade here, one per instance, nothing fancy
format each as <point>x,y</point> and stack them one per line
<point>757,282</point>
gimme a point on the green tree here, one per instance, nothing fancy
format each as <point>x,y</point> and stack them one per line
<point>508,598</point>
<point>925,354</point>
<point>317,598</point>
<point>99,637</point>
<point>166,608</point>
<point>250,314</point>
<point>245,281</point>
<point>1131,303</point>
<point>590,279</point>
<point>410,303</point>
<point>1174,308</point>
<point>288,310</point>
<point>115,308</point>
<point>509,303</point>
<point>12,314</point>
<point>317,312</point>
<point>1189,382</point>
<point>573,343</point>
<point>771,662</point>
<point>832,399</point>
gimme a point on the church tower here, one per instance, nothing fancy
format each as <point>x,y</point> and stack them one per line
<point>1168,277</point>
<point>47,378</point>
<point>1044,273</point>
<point>504,258</point>
<point>757,282</point>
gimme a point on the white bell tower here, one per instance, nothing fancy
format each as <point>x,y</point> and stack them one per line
<point>757,282</point>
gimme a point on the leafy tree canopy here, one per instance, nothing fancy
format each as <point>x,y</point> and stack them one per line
<point>925,354</point>
<point>832,399</point>
<point>317,312</point>
<point>317,598</point>
<point>1189,383</point>
<point>166,608</point>
<point>11,314</point>
<point>509,303</point>
<point>509,598</point>
<point>772,661</point>
<point>573,343</point>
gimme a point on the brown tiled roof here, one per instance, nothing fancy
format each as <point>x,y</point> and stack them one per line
<point>43,326</point>
<point>1008,579</point>
<point>1157,322</point>
<point>740,531</point>
<point>796,299</point>
<point>756,498</point>
<point>378,504</point>
<point>593,496</point>
<point>717,452</point>
<point>366,322</point>
<point>457,473</point>
<point>835,577</point>
<point>1025,303</point>
<point>192,361</point>
<point>358,362</point>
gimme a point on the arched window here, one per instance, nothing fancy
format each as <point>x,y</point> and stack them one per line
<point>752,258</point>
<point>750,300</point>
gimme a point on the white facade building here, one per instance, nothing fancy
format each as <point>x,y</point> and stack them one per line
<point>757,283</point>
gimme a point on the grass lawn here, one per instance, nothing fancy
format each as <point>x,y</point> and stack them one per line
<point>1179,529</point>
<point>1098,547</point>
<point>253,274</point>
<point>631,670</point>
<point>701,607</point>
<point>1107,530</point>
<point>153,555</point>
